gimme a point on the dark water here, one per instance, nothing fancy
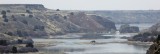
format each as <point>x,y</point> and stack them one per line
<point>81,46</point>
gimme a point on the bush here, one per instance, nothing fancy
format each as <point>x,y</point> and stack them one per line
<point>22,14</point>
<point>72,13</point>
<point>4,16</point>
<point>28,11</point>
<point>65,17</point>
<point>30,45</point>
<point>9,33</point>
<point>30,16</point>
<point>3,42</point>
<point>3,12</point>
<point>20,41</point>
<point>14,19</point>
<point>12,16</point>
<point>14,49</point>
<point>8,11</point>
<point>57,10</point>
<point>39,27</point>
<point>5,20</point>
<point>24,21</point>
<point>19,33</point>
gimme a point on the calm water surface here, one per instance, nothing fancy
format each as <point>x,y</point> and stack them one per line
<point>81,46</point>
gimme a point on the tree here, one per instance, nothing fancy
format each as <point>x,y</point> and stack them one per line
<point>14,49</point>
<point>19,33</point>
<point>10,33</point>
<point>57,10</point>
<point>24,21</point>
<point>22,14</point>
<point>3,12</point>
<point>72,13</point>
<point>8,11</point>
<point>30,45</point>
<point>30,16</point>
<point>12,16</point>
<point>3,42</point>
<point>20,41</point>
<point>28,11</point>
<point>65,17</point>
<point>4,16</point>
<point>38,27</point>
<point>5,20</point>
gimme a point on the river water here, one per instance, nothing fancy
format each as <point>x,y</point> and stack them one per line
<point>83,46</point>
<point>103,46</point>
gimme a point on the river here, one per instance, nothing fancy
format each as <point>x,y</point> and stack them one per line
<point>83,46</point>
<point>103,46</point>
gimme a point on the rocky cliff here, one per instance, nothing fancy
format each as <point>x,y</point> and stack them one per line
<point>35,20</point>
<point>128,29</point>
<point>148,34</point>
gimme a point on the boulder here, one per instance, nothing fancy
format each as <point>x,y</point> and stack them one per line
<point>129,29</point>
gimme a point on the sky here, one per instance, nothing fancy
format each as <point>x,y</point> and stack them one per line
<point>92,4</point>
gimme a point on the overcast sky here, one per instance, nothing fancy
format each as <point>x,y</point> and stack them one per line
<point>92,4</point>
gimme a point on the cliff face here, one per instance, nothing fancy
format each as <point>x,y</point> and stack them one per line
<point>35,20</point>
<point>91,23</point>
<point>149,34</point>
<point>107,24</point>
<point>128,29</point>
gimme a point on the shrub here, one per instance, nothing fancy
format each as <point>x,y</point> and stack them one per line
<point>39,27</point>
<point>24,21</point>
<point>3,42</point>
<point>30,16</point>
<point>9,33</point>
<point>12,16</point>
<point>14,49</point>
<point>14,19</point>
<point>30,45</point>
<point>65,17</point>
<point>4,16</point>
<point>19,41</point>
<point>22,14</point>
<point>57,10</point>
<point>3,12</point>
<point>19,33</point>
<point>8,11</point>
<point>5,20</point>
<point>72,13</point>
<point>28,11</point>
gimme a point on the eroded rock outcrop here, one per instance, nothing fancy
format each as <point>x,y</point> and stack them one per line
<point>148,34</point>
<point>128,29</point>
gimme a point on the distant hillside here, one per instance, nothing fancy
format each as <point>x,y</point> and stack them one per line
<point>36,20</point>
<point>130,16</point>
